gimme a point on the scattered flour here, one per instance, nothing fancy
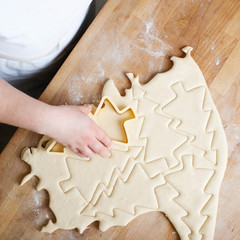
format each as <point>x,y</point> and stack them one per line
<point>227,112</point>
<point>74,235</point>
<point>120,55</point>
<point>233,136</point>
<point>74,89</point>
<point>151,43</point>
<point>96,74</point>
<point>149,26</point>
<point>115,56</point>
<point>38,198</point>
<point>217,61</point>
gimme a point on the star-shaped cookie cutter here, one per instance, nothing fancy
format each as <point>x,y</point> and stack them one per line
<point>106,102</point>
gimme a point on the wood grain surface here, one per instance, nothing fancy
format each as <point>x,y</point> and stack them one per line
<point>136,36</point>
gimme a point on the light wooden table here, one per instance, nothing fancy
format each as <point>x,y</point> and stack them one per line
<point>136,36</point>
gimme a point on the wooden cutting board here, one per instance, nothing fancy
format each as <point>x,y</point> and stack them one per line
<point>136,36</point>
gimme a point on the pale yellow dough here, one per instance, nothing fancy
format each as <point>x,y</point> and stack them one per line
<point>169,155</point>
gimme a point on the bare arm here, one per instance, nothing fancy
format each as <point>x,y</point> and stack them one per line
<point>68,125</point>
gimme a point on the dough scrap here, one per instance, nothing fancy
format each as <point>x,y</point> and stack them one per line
<point>169,155</point>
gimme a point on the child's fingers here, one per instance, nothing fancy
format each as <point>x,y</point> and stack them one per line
<point>78,152</point>
<point>104,138</point>
<point>85,151</point>
<point>100,149</point>
<point>82,156</point>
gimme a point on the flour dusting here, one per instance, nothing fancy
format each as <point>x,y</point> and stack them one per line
<point>227,112</point>
<point>38,198</point>
<point>74,89</point>
<point>233,136</point>
<point>96,74</point>
<point>149,26</point>
<point>151,43</point>
<point>122,57</point>
<point>217,61</point>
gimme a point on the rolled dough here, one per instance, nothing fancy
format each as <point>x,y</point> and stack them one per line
<point>169,155</point>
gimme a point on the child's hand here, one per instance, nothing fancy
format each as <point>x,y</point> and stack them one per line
<point>71,126</point>
<point>68,125</point>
